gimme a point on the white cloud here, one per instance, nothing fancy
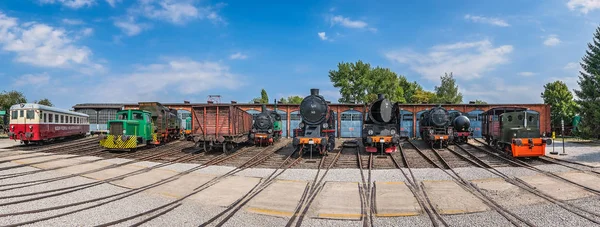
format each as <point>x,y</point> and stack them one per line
<point>72,21</point>
<point>176,12</point>
<point>584,6</point>
<point>322,35</point>
<point>129,26</point>
<point>527,74</point>
<point>347,22</point>
<point>87,31</point>
<point>572,65</point>
<point>551,40</point>
<point>113,3</point>
<point>181,76</point>
<point>32,80</point>
<point>487,20</point>
<point>467,60</point>
<point>42,45</point>
<point>238,56</point>
<point>74,4</point>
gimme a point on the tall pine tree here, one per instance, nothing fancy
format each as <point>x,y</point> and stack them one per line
<point>589,93</point>
<point>448,92</point>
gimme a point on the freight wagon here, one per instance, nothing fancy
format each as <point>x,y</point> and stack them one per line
<point>220,125</point>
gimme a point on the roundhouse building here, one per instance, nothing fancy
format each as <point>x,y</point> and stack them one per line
<point>349,116</point>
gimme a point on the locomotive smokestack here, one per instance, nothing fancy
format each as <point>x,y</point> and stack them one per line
<point>264,108</point>
<point>314,91</point>
<point>379,96</point>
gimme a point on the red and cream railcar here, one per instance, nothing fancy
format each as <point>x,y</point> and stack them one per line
<point>31,122</point>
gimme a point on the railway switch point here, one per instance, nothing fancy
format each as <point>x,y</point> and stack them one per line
<point>279,199</point>
<point>338,200</point>
<point>227,191</point>
<point>394,199</point>
<point>461,201</point>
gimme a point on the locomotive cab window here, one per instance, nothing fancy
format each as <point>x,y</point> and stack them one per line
<point>30,114</point>
<point>530,118</point>
<point>14,115</point>
<point>123,116</point>
<point>520,117</point>
<point>21,113</point>
<point>138,116</point>
<point>510,118</point>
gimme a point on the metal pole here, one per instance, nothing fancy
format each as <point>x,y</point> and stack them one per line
<point>563,136</point>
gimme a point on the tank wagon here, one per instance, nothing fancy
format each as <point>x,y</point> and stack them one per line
<point>220,126</point>
<point>381,126</point>
<point>514,131</point>
<point>316,131</point>
<point>462,128</point>
<point>435,127</point>
<point>266,128</point>
<point>151,124</point>
<point>35,123</point>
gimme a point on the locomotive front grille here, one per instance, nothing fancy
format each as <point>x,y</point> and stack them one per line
<point>116,128</point>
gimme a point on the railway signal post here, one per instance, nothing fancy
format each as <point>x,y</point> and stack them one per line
<point>553,137</point>
<point>562,123</point>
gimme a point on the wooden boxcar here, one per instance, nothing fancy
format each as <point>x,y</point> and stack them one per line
<point>220,125</point>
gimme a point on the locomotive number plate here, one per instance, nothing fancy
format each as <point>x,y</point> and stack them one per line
<point>441,137</point>
<point>381,140</point>
<point>311,142</point>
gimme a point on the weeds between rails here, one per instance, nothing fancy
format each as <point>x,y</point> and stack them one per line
<point>474,190</point>
<point>118,196</point>
<point>525,186</point>
<point>161,151</point>
<point>258,158</point>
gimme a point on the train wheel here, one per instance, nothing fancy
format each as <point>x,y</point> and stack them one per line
<point>26,142</point>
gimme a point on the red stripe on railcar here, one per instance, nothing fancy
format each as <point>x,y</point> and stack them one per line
<point>47,131</point>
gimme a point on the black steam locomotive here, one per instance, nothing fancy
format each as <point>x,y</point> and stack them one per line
<point>263,130</point>
<point>435,127</point>
<point>316,130</point>
<point>381,126</point>
<point>462,128</point>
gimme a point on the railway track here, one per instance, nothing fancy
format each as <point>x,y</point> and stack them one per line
<point>54,146</point>
<point>579,211</point>
<point>418,159</point>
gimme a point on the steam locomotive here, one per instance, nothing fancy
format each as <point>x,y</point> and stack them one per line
<point>462,128</point>
<point>381,126</point>
<point>435,127</point>
<point>316,131</point>
<point>266,128</point>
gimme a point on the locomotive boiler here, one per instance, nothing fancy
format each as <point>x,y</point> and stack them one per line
<point>435,127</point>
<point>316,131</point>
<point>462,128</point>
<point>381,126</point>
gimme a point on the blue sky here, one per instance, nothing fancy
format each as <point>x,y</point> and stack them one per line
<point>78,51</point>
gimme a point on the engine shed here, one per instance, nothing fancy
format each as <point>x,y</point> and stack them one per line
<point>349,116</point>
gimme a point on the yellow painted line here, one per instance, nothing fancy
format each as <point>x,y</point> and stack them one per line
<point>398,214</point>
<point>269,212</point>
<point>340,215</point>
<point>392,182</point>
<point>454,211</point>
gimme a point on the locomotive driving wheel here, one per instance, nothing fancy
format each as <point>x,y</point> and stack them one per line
<point>227,147</point>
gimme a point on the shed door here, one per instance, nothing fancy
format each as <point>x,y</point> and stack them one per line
<point>283,123</point>
<point>476,119</point>
<point>351,124</point>
<point>418,122</point>
<point>295,120</point>
<point>406,123</point>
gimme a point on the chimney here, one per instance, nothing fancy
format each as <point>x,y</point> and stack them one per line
<point>379,96</point>
<point>264,108</point>
<point>314,91</point>
<point>233,102</point>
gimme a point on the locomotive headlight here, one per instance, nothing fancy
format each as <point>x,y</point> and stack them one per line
<point>301,125</point>
<point>124,131</point>
<point>325,125</point>
<point>370,132</point>
<point>253,130</point>
<point>392,131</point>
<point>270,130</point>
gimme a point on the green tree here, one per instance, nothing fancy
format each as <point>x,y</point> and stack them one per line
<point>422,96</point>
<point>44,101</point>
<point>7,99</point>
<point>408,88</point>
<point>558,96</point>
<point>360,83</point>
<point>283,101</point>
<point>447,92</point>
<point>589,92</point>
<point>264,97</point>
<point>480,102</point>
<point>294,99</point>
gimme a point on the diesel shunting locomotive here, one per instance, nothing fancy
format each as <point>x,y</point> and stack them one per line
<point>435,127</point>
<point>514,131</point>
<point>316,131</point>
<point>381,126</point>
